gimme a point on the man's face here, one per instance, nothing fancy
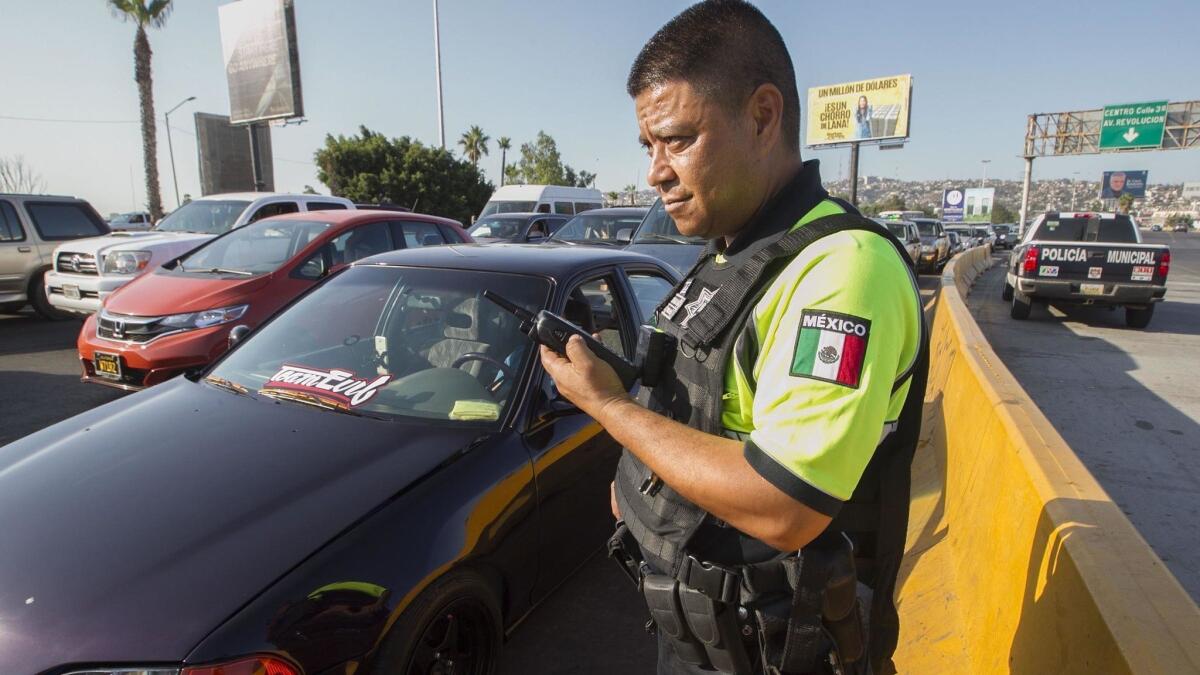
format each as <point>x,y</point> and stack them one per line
<point>703,159</point>
<point>1117,182</point>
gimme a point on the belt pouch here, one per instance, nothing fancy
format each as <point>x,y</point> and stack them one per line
<point>662,597</point>
<point>715,624</point>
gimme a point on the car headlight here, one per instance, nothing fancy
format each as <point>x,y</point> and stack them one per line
<point>126,262</point>
<point>204,318</point>
<point>926,248</point>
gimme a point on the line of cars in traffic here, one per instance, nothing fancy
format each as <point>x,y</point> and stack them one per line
<point>361,467</point>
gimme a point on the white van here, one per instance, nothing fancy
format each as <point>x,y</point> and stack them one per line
<point>542,199</point>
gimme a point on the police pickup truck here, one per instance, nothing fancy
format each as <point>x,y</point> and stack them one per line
<point>1087,258</point>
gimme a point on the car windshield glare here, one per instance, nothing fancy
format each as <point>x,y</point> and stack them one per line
<point>659,228</point>
<point>926,228</point>
<point>257,248</point>
<point>395,343</point>
<point>498,228</point>
<point>596,227</point>
<point>204,216</point>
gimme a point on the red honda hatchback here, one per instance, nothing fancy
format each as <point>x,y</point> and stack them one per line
<point>178,317</point>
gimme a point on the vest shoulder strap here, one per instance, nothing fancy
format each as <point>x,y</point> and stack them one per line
<point>709,325</point>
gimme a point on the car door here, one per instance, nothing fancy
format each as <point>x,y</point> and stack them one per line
<point>574,458</point>
<point>18,255</point>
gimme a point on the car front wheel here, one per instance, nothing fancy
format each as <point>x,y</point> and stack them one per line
<point>41,304</point>
<point>454,626</point>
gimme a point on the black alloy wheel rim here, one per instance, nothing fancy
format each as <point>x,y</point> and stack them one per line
<point>460,640</point>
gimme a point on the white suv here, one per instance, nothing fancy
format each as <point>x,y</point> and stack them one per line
<point>86,272</point>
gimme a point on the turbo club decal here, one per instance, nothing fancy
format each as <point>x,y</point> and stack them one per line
<point>340,386</point>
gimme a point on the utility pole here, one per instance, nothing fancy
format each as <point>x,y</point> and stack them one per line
<point>1074,183</point>
<point>437,65</point>
<point>171,148</point>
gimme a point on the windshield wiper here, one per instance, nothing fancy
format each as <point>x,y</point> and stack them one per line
<point>314,401</point>
<point>227,385</point>
<point>222,270</point>
<point>665,237</point>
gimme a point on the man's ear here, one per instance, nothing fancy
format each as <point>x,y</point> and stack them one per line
<point>766,109</point>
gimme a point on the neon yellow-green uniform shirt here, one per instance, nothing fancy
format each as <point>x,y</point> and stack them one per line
<point>835,331</point>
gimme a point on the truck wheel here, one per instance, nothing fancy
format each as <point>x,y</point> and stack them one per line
<point>1021,306</point>
<point>41,304</point>
<point>1138,317</point>
<point>1007,293</point>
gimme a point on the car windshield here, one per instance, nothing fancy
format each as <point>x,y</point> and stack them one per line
<point>1000,229</point>
<point>507,207</point>
<point>1117,230</point>
<point>899,230</point>
<point>597,228</point>
<point>204,217</point>
<point>498,228</point>
<point>257,248</point>
<point>659,228</point>
<point>394,342</point>
<point>927,228</point>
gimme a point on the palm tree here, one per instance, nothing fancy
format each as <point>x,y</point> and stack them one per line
<point>474,143</point>
<point>632,190</point>
<point>612,197</point>
<point>152,13</point>
<point>504,144</point>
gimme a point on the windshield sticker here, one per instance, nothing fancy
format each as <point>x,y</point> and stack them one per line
<point>475,410</point>
<point>341,386</point>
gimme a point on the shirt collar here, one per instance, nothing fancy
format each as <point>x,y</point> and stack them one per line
<point>783,210</point>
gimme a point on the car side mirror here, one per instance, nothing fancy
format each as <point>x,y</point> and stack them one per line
<point>555,405</point>
<point>237,334</point>
<point>625,235</point>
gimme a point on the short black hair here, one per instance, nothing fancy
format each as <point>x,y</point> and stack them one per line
<point>726,49</point>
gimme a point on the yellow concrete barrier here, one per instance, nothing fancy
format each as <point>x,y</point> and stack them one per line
<point>1017,559</point>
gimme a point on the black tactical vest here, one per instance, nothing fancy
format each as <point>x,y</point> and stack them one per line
<point>707,324</point>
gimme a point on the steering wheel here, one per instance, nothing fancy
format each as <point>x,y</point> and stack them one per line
<point>509,374</point>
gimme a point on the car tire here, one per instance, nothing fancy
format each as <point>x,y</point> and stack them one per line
<point>452,626</point>
<point>11,307</point>
<point>1007,293</point>
<point>1138,317</point>
<point>41,304</point>
<point>1022,305</point>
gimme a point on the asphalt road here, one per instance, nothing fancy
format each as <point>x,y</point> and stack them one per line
<point>1126,400</point>
<point>593,625</point>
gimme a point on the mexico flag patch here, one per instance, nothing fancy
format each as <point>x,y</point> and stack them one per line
<point>831,347</point>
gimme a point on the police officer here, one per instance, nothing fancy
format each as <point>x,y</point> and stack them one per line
<point>768,468</point>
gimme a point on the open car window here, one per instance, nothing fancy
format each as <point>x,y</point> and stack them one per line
<point>395,343</point>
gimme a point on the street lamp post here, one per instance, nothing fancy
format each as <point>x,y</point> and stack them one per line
<point>437,65</point>
<point>1074,182</point>
<point>171,148</point>
<point>985,162</point>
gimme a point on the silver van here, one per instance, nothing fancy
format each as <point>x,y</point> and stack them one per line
<point>30,227</point>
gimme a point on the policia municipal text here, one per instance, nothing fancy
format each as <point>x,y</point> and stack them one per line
<point>765,483</point>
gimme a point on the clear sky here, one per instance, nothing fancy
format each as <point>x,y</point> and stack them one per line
<point>560,65</point>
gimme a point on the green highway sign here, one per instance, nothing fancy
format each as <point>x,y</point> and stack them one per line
<point>1133,125</point>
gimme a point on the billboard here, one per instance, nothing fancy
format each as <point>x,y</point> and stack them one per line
<point>978,207</point>
<point>869,110</point>
<point>952,205</point>
<point>262,61</point>
<point>224,150</point>
<point>1118,183</point>
<point>1191,191</point>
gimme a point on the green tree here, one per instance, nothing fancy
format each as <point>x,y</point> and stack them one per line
<point>541,164</point>
<point>631,190</point>
<point>612,197</point>
<point>474,144</point>
<point>143,13</point>
<point>1125,203</point>
<point>504,144</point>
<point>1001,213</point>
<point>586,179</point>
<point>370,167</point>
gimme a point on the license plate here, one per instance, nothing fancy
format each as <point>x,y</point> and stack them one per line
<point>71,291</point>
<point>107,365</point>
<point>1091,289</point>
